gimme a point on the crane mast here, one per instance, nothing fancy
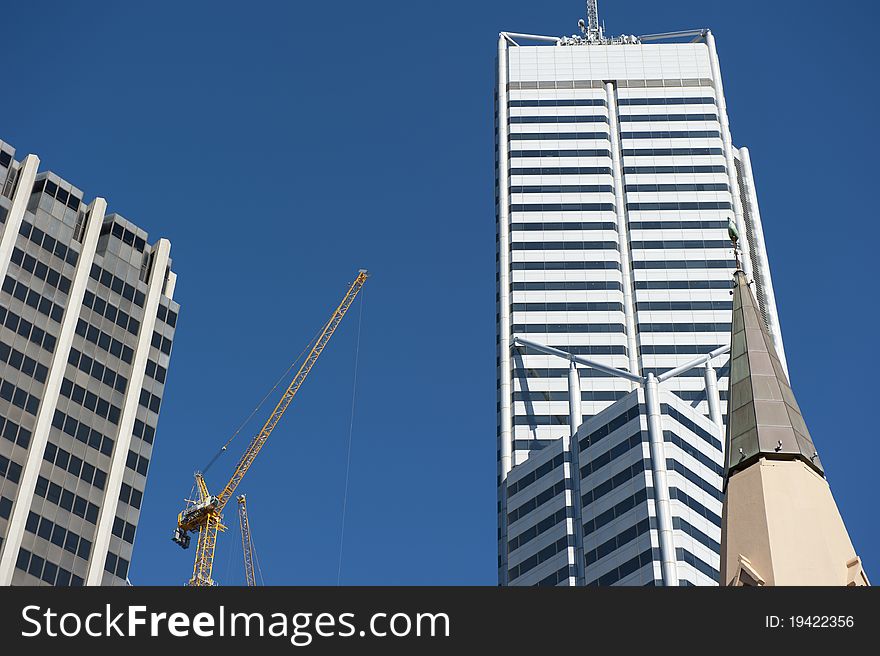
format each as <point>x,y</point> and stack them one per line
<point>204,515</point>
<point>247,546</point>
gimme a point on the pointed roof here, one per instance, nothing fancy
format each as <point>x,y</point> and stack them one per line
<point>764,419</point>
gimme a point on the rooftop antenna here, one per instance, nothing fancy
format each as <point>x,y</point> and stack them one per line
<point>593,31</point>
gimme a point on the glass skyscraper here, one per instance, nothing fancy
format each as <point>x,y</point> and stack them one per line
<point>616,181</point>
<point>87,319</point>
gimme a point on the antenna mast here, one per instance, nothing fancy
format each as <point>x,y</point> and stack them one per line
<point>593,31</point>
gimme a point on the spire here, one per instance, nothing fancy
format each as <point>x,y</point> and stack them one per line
<point>764,420</point>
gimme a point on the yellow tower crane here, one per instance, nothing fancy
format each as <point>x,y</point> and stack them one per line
<point>204,515</point>
<point>247,545</point>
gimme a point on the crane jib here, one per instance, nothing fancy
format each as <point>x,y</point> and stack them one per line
<point>207,521</point>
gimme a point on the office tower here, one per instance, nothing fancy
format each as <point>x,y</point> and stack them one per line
<point>616,181</point>
<point>86,326</point>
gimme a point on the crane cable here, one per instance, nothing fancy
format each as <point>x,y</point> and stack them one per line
<point>350,431</point>
<point>263,401</point>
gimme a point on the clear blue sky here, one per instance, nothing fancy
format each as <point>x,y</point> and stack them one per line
<point>282,146</point>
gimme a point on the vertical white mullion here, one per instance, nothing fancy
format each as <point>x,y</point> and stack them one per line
<point>107,514</point>
<point>26,175</point>
<point>504,295</point>
<point>727,144</point>
<point>46,412</point>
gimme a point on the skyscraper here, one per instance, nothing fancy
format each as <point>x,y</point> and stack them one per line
<point>87,319</point>
<point>616,181</point>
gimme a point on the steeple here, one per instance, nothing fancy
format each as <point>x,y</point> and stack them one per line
<point>764,417</point>
<point>779,523</point>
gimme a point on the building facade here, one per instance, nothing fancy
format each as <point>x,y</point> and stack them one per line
<point>616,181</point>
<point>87,320</point>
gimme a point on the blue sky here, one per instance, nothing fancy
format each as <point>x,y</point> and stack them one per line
<point>283,146</point>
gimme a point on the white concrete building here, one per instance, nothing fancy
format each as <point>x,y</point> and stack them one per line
<point>616,180</point>
<point>87,319</point>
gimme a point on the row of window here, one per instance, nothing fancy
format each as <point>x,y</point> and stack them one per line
<point>117,285</point>
<point>76,466</point>
<point>704,205</point>
<point>58,535</point>
<point>535,474</point>
<point>564,246</point>
<point>682,284</point>
<point>567,285</point>
<point>681,525</point>
<point>150,401</point>
<point>705,486</point>
<point>702,327</point>
<point>676,225</point>
<point>531,445</point>
<point>166,315</point>
<point>9,469</point>
<point>137,463</point>
<point>564,266</point>
<point>144,431</point>
<point>111,312</point>
<point>131,496</point>
<point>560,189</point>
<point>67,500</point>
<point>677,349</point>
<point>557,577</point>
<point>703,434</point>
<point>161,343</point>
<point>104,341</point>
<point>561,170</point>
<point>692,451</point>
<point>26,329</point>
<point>156,371</point>
<point>19,398</point>
<point>669,152</point>
<point>577,152</point>
<point>83,433</point>
<point>535,502</point>
<point>560,136</point>
<point>561,102</point>
<point>14,433</point>
<point>596,349</point>
<point>689,100</point>
<point>580,118</point>
<point>91,401</point>
<point>534,560</point>
<point>557,372</point>
<point>698,395</point>
<point>563,225</point>
<point>631,566</point>
<point>562,207</point>
<point>123,530</point>
<point>97,370</point>
<point>682,168</point>
<point>684,305</point>
<point>116,565</point>
<point>672,134</point>
<point>24,363</point>
<point>609,485</point>
<point>686,556</point>
<point>695,186</point>
<point>599,306</point>
<point>41,270</point>
<point>538,529</point>
<point>540,420</point>
<point>51,189</point>
<point>676,494</point>
<point>32,298</point>
<point>620,540</point>
<point>47,571</point>
<point>596,463</point>
<point>48,243</point>
<point>125,235</point>
<point>574,327</point>
<point>684,264</point>
<point>642,118</point>
<point>618,510</point>
<point>612,425</point>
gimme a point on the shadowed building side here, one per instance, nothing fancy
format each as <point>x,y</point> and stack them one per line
<point>780,524</point>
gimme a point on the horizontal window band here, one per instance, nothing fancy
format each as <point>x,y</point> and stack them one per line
<point>558,136</point>
<point>564,246</point>
<point>582,118</point>
<point>705,205</point>
<point>680,244</point>
<point>710,168</point>
<point>563,266</point>
<point>573,327</point>
<point>684,264</point>
<point>676,225</point>
<point>568,307</point>
<point>562,153</point>
<point>684,284</point>
<point>567,225</point>
<point>669,152</point>
<point>565,285</point>
<point>562,102</point>
<point>562,170</point>
<point>620,84</point>
<point>560,189</point>
<point>562,207</point>
<point>704,100</point>
<point>672,134</point>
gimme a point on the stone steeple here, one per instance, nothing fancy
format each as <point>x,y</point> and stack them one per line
<point>780,524</point>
